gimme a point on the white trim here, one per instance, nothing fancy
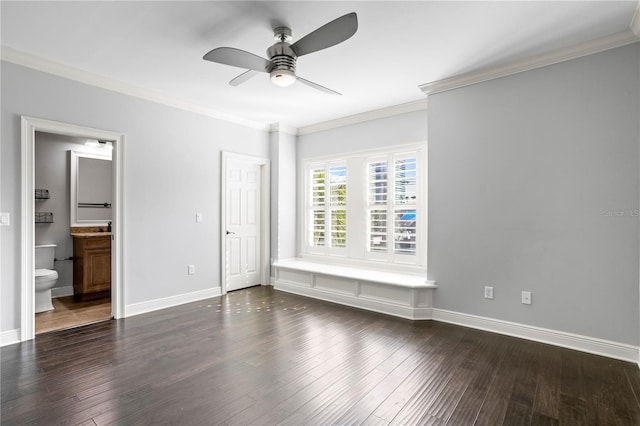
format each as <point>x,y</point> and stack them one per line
<point>61,70</point>
<point>376,114</point>
<point>62,291</point>
<point>265,214</point>
<point>29,126</point>
<point>400,295</point>
<point>563,339</point>
<point>382,307</point>
<point>171,301</point>
<point>635,21</point>
<point>74,158</point>
<point>554,57</point>
<point>282,128</point>
<point>364,274</point>
<point>10,337</point>
<point>27,299</point>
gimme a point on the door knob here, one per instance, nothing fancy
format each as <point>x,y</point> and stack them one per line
<point>229,232</point>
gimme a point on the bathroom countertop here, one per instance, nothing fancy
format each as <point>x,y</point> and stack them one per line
<point>90,234</point>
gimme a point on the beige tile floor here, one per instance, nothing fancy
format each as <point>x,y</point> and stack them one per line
<point>68,313</point>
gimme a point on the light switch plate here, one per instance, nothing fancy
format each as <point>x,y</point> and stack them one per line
<point>488,292</point>
<point>198,217</point>
<point>4,219</point>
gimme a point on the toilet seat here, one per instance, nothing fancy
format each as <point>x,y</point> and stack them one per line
<point>46,273</point>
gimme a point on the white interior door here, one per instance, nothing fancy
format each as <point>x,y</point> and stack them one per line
<point>243,194</point>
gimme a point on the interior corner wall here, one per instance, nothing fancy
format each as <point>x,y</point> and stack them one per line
<point>283,195</point>
<point>171,172</point>
<point>534,185</point>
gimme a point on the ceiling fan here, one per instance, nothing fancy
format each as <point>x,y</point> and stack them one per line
<point>281,64</point>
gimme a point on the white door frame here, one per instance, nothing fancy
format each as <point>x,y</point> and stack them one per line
<point>265,198</point>
<point>30,126</point>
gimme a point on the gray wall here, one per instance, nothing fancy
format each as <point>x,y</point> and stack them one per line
<point>171,171</point>
<point>400,129</point>
<point>283,195</point>
<point>533,185</point>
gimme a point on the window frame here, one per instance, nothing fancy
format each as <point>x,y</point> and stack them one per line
<point>357,251</point>
<point>391,207</point>
<point>328,207</point>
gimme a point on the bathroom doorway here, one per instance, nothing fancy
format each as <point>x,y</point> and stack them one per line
<point>71,308</point>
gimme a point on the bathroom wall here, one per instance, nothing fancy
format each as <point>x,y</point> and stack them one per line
<point>51,156</point>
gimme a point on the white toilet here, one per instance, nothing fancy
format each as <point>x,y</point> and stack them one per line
<point>45,276</point>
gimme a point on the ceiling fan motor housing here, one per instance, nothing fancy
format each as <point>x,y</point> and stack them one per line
<point>283,58</point>
<point>283,64</point>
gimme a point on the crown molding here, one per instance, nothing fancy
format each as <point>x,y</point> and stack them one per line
<point>50,67</point>
<point>283,128</point>
<point>365,116</point>
<point>550,58</point>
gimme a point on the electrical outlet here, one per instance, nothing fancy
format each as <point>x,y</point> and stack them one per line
<point>192,269</point>
<point>526,297</point>
<point>488,292</point>
<point>4,219</point>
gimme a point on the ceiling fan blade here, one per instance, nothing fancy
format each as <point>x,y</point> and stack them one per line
<point>237,58</point>
<point>317,86</point>
<point>243,77</point>
<point>328,35</point>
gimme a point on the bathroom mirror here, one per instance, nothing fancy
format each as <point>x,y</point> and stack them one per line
<point>91,190</point>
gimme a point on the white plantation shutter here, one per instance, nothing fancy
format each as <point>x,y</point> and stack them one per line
<point>328,207</point>
<point>338,190</point>
<point>377,221</point>
<point>391,205</point>
<point>404,205</point>
<point>318,216</point>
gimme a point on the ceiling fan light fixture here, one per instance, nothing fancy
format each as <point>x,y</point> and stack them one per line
<point>283,78</point>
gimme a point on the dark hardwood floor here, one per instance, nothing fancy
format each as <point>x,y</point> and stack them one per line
<point>263,357</point>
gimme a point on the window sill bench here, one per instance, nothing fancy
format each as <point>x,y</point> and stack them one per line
<point>402,295</point>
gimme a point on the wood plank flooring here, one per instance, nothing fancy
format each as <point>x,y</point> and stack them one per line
<point>263,357</point>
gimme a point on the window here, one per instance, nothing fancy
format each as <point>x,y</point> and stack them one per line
<point>392,205</point>
<point>328,214</point>
<point>367,207</point>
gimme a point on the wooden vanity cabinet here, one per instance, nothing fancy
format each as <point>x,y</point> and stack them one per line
<point>91,266</point>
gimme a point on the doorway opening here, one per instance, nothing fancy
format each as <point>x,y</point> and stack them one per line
<point>244,221</point>
<point>42,229</point>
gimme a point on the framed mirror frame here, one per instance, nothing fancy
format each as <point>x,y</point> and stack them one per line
<point>74,159</point>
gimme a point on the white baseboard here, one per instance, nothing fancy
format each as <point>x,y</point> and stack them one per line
<point>62,291</point>
<point>380,306</point>
<point>9,337</point>
<point>168,302</point>
<point>578,342</point>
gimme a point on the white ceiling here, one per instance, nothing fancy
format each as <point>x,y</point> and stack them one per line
<point>157,47</point>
